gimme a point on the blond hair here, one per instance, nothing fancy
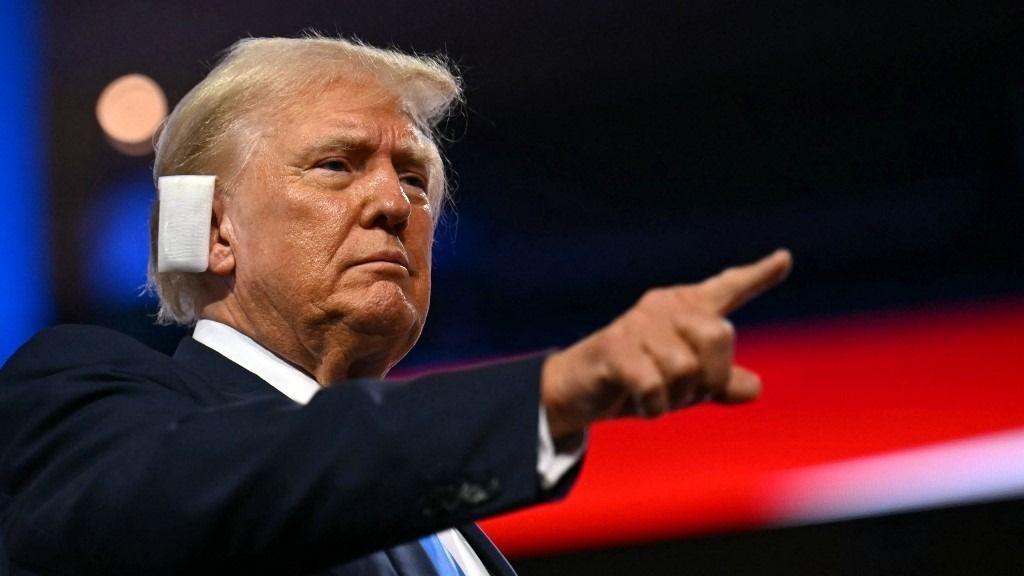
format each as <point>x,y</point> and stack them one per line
<point>213,129</point>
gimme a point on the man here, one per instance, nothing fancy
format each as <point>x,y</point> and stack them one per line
<point>268,443</point>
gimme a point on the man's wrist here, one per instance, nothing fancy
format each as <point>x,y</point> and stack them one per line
<point>556,458</point>
<point>563,423</point>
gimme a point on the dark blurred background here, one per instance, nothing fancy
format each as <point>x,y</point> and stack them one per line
<point>605,147</point>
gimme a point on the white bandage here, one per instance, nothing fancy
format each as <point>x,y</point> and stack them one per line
<point>183,236</point>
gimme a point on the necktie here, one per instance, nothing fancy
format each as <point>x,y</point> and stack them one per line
<point>440,557</point>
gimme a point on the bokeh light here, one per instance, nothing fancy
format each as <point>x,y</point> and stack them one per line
<point>129,110</point>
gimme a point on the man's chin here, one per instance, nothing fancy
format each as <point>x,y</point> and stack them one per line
<point>384,310</point>
<point>386,340</point>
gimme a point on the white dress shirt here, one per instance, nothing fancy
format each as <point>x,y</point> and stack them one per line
<point>298,386</point>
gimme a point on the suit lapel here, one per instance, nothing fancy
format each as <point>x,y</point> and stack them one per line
<point>225,381</point>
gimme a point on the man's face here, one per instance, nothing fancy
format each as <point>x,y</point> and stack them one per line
<point>331,230</point>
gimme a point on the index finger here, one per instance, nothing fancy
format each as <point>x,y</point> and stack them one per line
<point>733,287</point>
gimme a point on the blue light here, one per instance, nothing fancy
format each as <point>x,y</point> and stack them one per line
<point>24,234</point>
<point>118,252</point>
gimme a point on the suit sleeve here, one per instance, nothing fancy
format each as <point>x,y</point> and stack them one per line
<point>109,466</point>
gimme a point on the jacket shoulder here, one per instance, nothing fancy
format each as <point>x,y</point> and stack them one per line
<point>65,347</point>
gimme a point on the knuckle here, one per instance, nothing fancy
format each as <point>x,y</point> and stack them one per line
<point>611,340</point>
<point>644,384</point>
<point>718,333</point>
<point>656,297</point>
<point>725,333</point>
<point>633,377</point>
<point>731,274</point>
<point>690,296</point>
<point>728,327</point>
<point>683,365</point>
<point>705,300</point>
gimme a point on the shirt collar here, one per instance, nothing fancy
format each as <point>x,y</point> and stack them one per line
<point>250,355</point>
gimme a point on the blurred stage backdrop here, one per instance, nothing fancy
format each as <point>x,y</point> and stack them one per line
<point>607,147</point>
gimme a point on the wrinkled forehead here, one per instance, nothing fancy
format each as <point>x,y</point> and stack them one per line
<point>354,112</point>
<point>337,102</point>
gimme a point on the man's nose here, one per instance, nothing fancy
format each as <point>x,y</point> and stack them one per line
<point>386,204</point>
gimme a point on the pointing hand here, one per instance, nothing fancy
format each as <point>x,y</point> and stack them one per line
<point>672,349</point>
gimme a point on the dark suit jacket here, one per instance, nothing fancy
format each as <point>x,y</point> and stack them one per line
<point>115,459</point>
<point>3,557</point>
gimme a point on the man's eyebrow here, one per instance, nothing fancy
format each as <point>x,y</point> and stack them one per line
<point>416,152</point>
<point>414,149</point>
<point>338,142</point>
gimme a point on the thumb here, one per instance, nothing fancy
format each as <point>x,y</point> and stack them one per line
<point>743,386</point>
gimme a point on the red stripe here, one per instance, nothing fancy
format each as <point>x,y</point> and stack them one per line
<point>834,389</point>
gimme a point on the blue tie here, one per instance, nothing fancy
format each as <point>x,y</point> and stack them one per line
<point>440,557</point>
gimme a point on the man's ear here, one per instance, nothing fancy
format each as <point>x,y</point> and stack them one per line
<point>222,236</point>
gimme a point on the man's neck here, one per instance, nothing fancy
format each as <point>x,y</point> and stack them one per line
<point>249,354</point>
<point>308,350</point>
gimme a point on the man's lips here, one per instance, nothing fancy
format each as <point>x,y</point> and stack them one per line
<point>385,257</point>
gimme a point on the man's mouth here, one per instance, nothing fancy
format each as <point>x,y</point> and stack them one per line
<point>385,258</point>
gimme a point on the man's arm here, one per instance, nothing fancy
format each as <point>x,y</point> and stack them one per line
<point>110,467</point>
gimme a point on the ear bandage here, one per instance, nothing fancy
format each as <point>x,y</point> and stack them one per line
<point>183,235</point>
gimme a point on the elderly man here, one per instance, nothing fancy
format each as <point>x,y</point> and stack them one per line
<point>268,443</point>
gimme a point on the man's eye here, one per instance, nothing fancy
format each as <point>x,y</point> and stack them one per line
<point>414,181</point>
<point>334,166</point>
